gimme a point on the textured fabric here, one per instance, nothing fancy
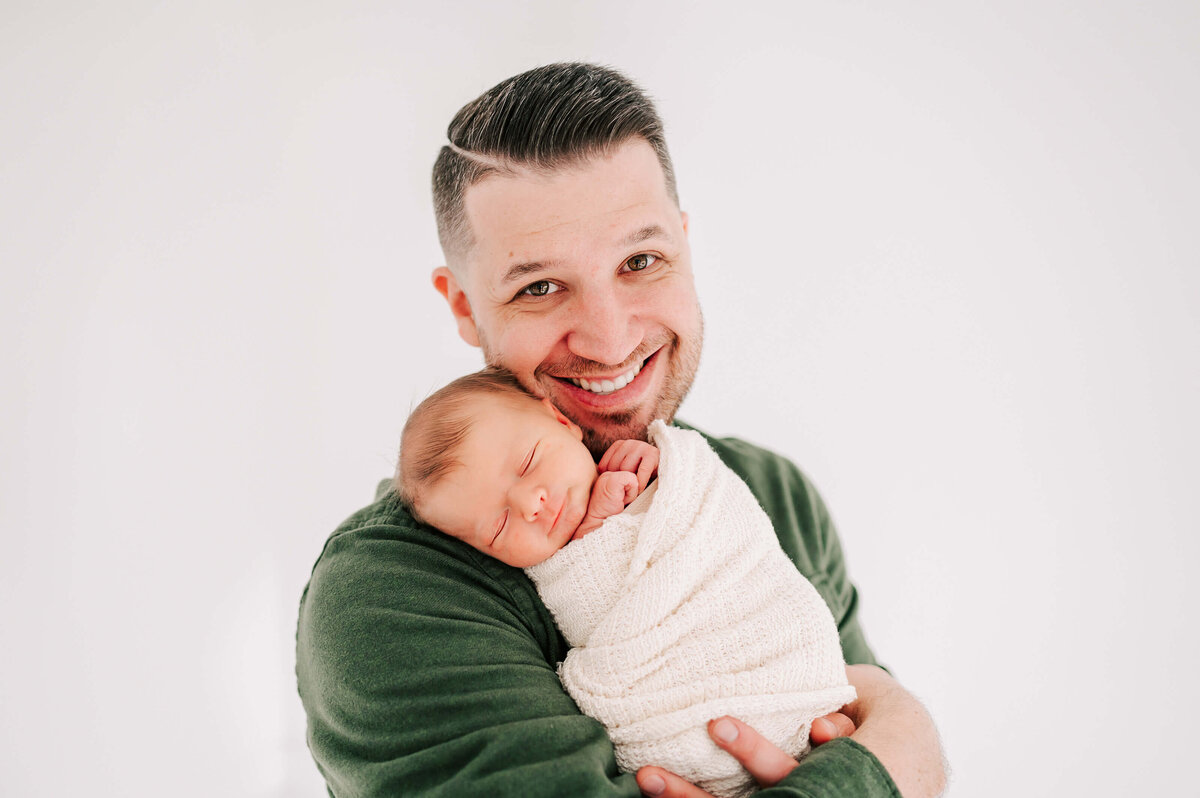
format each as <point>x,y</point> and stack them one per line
<point>686,609</point>
<point>428,669</point>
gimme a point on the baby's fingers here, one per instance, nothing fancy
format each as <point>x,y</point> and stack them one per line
<point>616,457</point>
<point>647,466</point>
<point>619,486</point>
<point>605,463</point>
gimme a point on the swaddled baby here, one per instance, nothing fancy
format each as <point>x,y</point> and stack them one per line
<point>673,592</point>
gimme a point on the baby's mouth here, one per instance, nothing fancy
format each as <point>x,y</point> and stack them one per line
<point>565,517</point>
<point>604,387</point>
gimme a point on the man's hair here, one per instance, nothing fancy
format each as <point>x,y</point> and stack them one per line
<point>543,119</point>
<point>437,427</point>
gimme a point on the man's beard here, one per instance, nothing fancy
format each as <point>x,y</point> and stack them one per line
<point>628,424</point>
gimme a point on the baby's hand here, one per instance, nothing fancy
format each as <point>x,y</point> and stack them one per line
<point>610,493</point>
<point>636,457</point>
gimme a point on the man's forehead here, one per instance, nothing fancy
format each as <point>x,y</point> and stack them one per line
<point>601,202</point>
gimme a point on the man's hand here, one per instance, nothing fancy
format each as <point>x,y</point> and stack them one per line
<point>636,457</point>
<point>830,727</point>
<point>894,726</point>
<point>885,719</point>
<point>765,761</point>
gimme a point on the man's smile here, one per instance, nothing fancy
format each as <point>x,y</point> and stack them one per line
<point>615,392</point>
<point>605,386</point>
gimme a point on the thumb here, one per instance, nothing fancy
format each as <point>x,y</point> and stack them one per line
<point>830,727</point>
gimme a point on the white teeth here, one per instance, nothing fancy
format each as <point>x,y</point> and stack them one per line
<point>608,386</point>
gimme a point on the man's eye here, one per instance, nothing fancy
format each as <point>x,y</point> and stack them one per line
<point>639,262</point>
<point>540,288</point>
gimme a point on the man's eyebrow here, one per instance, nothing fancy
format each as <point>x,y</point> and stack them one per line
<point>517,271</point>
<point>646,233</point>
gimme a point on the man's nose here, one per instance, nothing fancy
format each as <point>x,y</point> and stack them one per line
<point>604,327</point>
<point>528,500</point>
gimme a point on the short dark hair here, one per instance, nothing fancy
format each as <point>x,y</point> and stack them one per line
<point>544,119</point>
<point>437,427</point>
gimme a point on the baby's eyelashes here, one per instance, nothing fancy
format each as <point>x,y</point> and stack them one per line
<point>499,527</point>
<point>528,460</point>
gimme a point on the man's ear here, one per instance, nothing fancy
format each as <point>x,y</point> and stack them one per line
<point>456,298</point>
<point>684,219</point>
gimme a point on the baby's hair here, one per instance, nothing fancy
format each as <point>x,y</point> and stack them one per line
<point>437,427</point>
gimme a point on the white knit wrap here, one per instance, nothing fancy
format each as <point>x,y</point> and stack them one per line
<point>684,608</point>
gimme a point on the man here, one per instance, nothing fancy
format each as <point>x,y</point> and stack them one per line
<point>427,669</point>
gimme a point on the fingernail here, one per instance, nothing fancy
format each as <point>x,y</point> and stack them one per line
<point>725,731</point>
<point>653,784</point>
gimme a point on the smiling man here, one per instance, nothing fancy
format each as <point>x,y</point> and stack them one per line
<point>428,669</point>
<point>579,281</point>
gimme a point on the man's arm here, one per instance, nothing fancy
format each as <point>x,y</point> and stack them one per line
<point>425,669</point>
<point>894,726</point>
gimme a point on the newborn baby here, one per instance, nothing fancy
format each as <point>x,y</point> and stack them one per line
<point>674,594</point>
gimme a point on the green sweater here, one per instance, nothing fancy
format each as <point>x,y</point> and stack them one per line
<point>427,668</point>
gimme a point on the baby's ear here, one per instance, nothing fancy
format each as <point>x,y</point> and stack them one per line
<point>561,419</point>
<point>554,411</point>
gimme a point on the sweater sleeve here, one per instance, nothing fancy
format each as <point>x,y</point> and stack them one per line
<point>838,769</point>
<point>424,673</point>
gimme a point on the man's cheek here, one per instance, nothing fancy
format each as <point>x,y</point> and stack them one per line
<point>520,350</point>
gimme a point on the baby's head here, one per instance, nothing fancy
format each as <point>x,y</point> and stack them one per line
<point>504,471</point>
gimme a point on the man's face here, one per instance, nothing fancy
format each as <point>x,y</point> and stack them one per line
<point>580,283</point>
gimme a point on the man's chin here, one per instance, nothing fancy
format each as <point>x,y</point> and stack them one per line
<point>601,436</point>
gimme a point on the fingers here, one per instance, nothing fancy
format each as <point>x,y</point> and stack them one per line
<point>622,456</point>
<point>631,490</point>
<point>622,484</point>
<point>766,762</point>
<point>830,727</point>
<point>647,468</point>
<point>612,492</point>
<point>636,457</point>
<point>605,463</point>
<point>614,459</point>
<point>665,784</point>
<point>615,489</point>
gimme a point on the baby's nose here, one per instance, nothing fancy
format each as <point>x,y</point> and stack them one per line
<point>531,503</point>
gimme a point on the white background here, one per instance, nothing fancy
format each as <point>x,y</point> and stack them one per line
<point>947,254</point>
